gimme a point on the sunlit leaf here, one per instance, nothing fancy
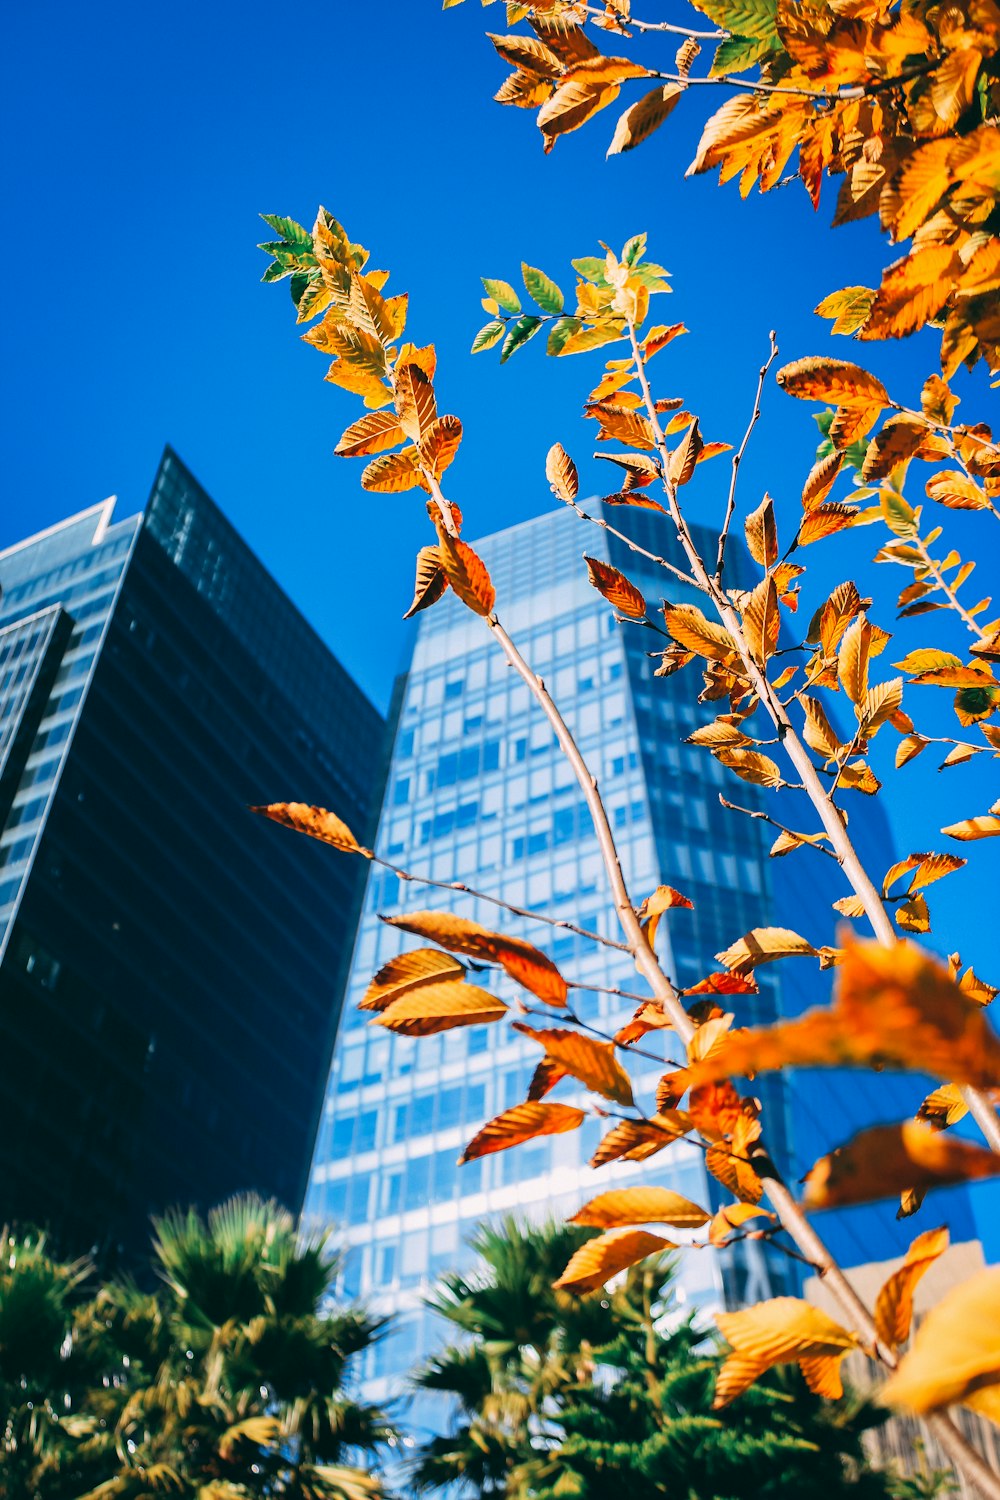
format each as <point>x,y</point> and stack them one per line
<point>406,971</point>
<point>522,1123</point>
<point>616,588</point>
<point>593,1062</point>
<point>599,1259</point>
<point>956,1350</point>
<point>431,1008</point>
<point>887,1159</point>
<point>641,1205</point>
<point>317,822</point>
<point>522,961</point>
<point>894,1304</point>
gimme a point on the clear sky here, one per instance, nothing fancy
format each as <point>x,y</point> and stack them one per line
<point>147,138</point>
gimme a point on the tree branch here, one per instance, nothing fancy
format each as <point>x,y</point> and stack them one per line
<point>738,458</point>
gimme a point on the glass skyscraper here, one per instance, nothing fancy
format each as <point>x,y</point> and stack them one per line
<point>479,792</point>
<point>170,965</point>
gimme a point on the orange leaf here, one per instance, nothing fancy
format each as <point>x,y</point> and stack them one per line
<point>405,972</point>
<point>594,1063</point>
<point>641,1206</point>
<point>601,1258</point>
<point>523,962</point>
<point>894,1305</point>
<point>889,1159</point>
<point>430,1008</point>
<point>316,822</point>
<point>616,588</point>
<point>522,1123</point>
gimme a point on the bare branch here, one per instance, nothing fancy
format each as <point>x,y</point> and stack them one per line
<point>516,911</point>
<point>738,458</point>
<point>631,545</point>
<point>765,818</point>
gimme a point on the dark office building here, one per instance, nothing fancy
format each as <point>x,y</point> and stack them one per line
<point>171,967</point>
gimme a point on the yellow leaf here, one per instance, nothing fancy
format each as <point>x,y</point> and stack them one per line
<point>878,706</point>
<point>527,52</point>
<point>820,480</point>
<point>784,1330</point>
<point>985,827</point>
<point>685,457</point>
<point>944,1107</point>
<point>525,964</point>
<point>733,1216</point>
<point>852,659</point>
<point>560,471</point>
<point>641,1205</point>
<point>439,443</point>
<point>431,1008</point>
<point>956,1351</point>
<point>616,588</point>
<point>751,765</point>
<point>466,572</point>
<point>316,822</point>
<point>913,290</point>
<point>572,105</point>
<point>834,380</point>
<point>406,972</point>
<point>594,1063</point>
<point>898,441</point>
<point>635,1140</point>
<point>431,581</point>
<point>414,399</point>
<point>888,1159</point>
<point>818,733</point>
<point>393,472</point>
<point>642,118</point>
<point>953,489</point>
<point>761,534</point>
<point>894,1304</point>
<point>690,628</point>
<point>370,434</point>
<point>762,620</point>
<point>824,521</point>
<point>599,1259</point>
<point>763,946</point>
<point>522,1123</point>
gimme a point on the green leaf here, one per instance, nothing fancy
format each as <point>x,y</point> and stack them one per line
<point>898,516</point>
<point>519,333</point>
<point>633,249</point>
<point>300,281</point>
<point>745,18</point>
<point>488,336</point>
<point>291,232</point>
<point>542,288</point>
<point>591,268</point>
<point>275,272</point>
<point>737,53</point>
<point>560,332</point>
<point>502,292</point>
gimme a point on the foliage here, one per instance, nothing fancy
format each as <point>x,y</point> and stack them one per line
<point>899,100</point>
<point>226,1384</point>
<point>893,1004</point>
<point>557,1395</point>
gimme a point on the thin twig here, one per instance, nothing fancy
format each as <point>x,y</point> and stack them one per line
<point>516,911</point>
<point>667,26</point>
<point>738,458</point>
<point>631,545</point>
<point>766,818</point>
<point>946,588</point>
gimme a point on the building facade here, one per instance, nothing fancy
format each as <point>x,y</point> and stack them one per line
<point>479,792</point>
<point>169,964</point>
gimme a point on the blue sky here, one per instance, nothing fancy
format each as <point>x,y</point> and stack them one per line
<point>149,137</point>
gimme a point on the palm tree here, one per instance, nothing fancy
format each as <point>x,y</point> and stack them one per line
<point>555,1397</point>
<point>228,1383</point>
